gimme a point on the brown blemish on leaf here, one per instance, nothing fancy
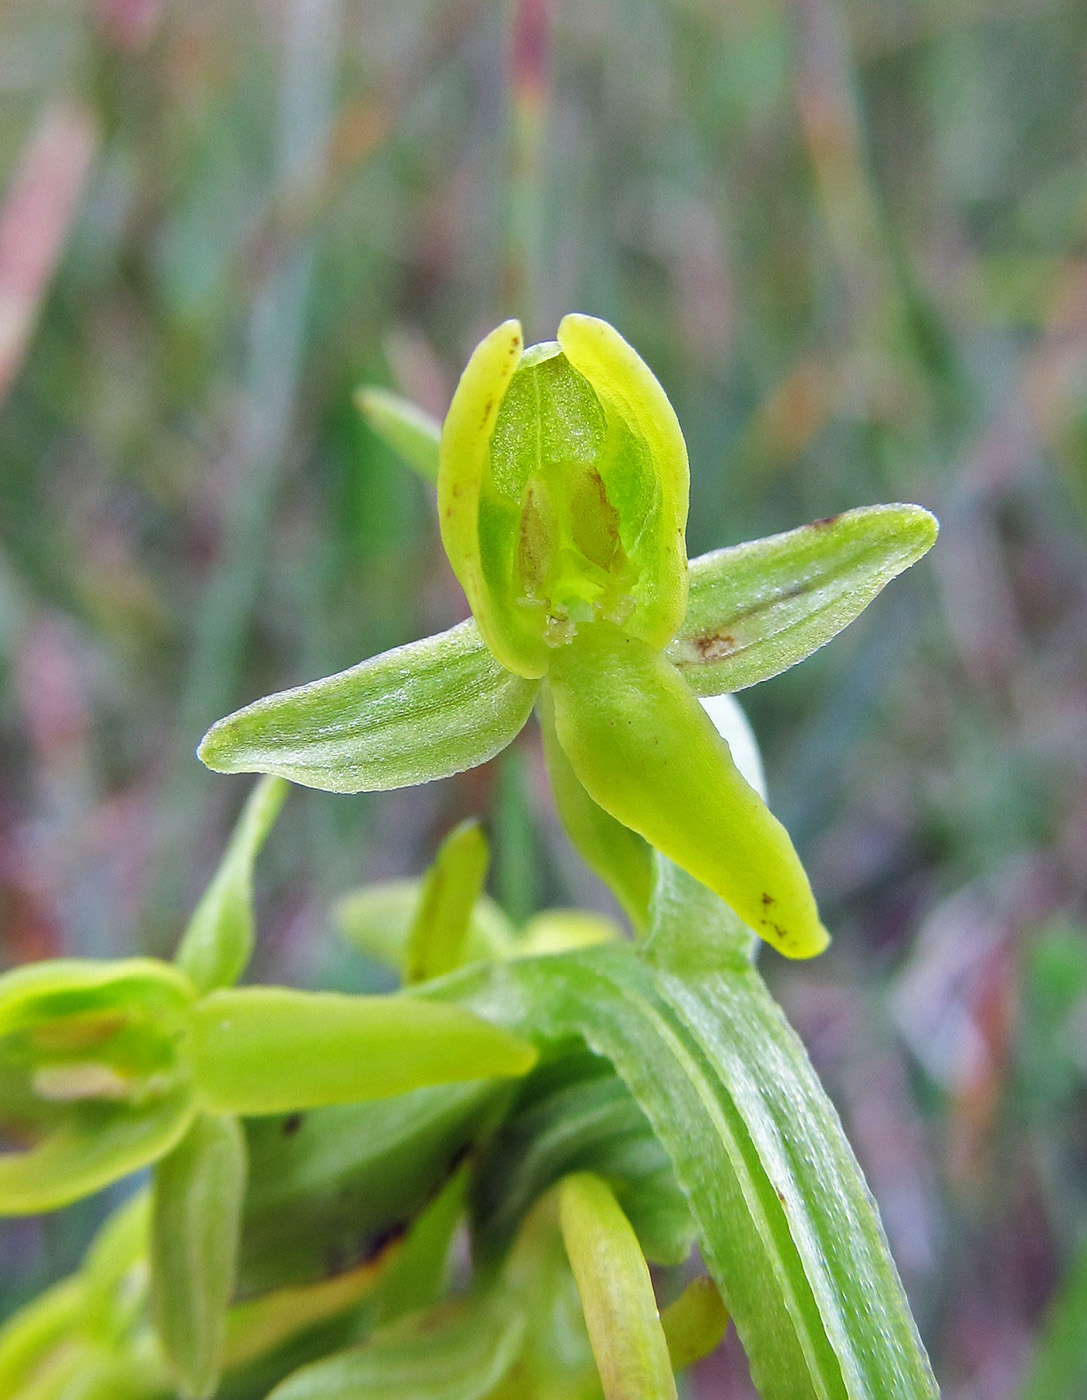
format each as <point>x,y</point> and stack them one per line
<point>768,899</point>
<point>824,521</point>
<point>713,645</point>
<point>291,1125</point>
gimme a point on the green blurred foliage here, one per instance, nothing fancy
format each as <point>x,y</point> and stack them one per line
<point>850,237</point>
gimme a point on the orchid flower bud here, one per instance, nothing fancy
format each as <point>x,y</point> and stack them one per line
<point>562,493</point>
<point>94,1080</point>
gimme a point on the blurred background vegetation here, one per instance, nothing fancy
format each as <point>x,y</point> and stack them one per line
<point>850,236</point>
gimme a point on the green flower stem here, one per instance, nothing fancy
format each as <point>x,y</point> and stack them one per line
<point>616,1292</point>
<point>645,750</point>
<point>260,1050</point>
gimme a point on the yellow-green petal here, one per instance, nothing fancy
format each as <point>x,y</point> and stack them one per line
<point>618,855</point>
<point>258,1050</point>
<point>628,389</point>
<point>616,1292</point>
<point>438,937</point>
<point>647,752</point>
<point>465,449</point>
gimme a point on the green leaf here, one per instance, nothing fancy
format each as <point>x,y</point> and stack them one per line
<point>437,940</point>
<point>756,609</point>
<point>691,930</point>
<point>616,1292</point>
<point>647,752</point>
<point>423,711</point>
<point>695,1324</point>
<point>195,1222</point>
<point>259,1326</point>
<point>404,427</point>
<point>219,939</point>
<point>32,1342</point>
<point>618,855</point>
<point>273,1050</point>
<point>114,1273</point>
<point>418,1273</point>
<point>377,920</point>
<point>571,1114</point>
<point>459,1353</point>
<point>556,1360</point>
<point>330,1188</point>
<point>93,1079</point>
<point>785,1221</point>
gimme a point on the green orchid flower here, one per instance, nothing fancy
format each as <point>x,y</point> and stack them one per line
<point>562,495</point>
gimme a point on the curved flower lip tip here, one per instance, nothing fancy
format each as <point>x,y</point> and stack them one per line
<point>648,753</point>
<point>562,492</point>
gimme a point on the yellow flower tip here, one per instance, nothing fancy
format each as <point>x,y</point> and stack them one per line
<point>814,941</point>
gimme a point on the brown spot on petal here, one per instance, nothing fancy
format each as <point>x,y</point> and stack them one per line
<point>712,645</point>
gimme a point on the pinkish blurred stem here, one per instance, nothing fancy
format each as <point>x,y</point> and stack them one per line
<point>37,214</point>
<point>529,55</point>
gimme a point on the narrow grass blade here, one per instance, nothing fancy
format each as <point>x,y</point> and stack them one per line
<point>412,433</point>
